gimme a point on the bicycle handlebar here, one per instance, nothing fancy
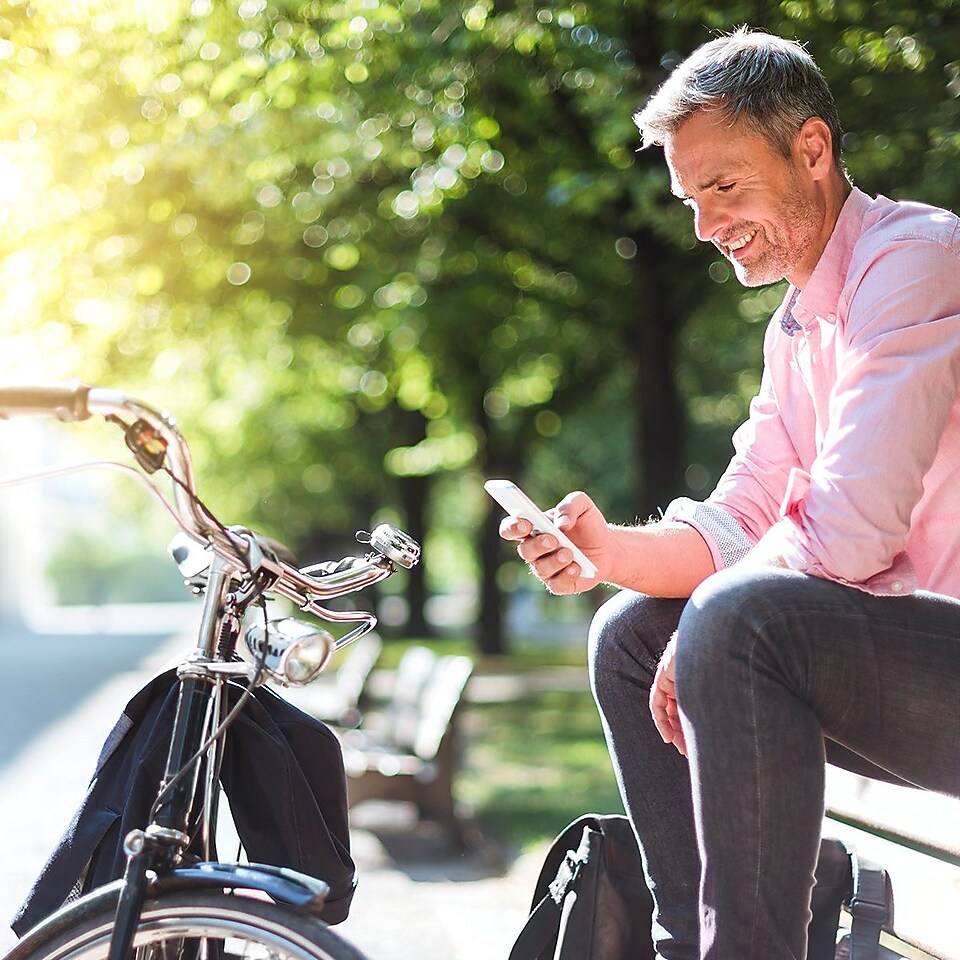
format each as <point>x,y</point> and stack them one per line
<point>155,440</point>
<point>67,401</point>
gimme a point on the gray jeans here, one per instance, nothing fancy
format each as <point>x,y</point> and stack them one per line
<point>776,672</point>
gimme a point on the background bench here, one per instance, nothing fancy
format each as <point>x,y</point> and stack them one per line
<point>410,751</point>
<point>915,835</point>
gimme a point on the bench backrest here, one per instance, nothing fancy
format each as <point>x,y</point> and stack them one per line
<point>442,695</point>
<point>402,712</point>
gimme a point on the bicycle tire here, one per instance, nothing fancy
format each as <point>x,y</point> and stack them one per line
<point>197,925</point>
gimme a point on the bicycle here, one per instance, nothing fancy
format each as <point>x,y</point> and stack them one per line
<point>169,903</point>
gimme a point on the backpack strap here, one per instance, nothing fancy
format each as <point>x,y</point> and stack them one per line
<point>871,906</point>
<point>540,930</point>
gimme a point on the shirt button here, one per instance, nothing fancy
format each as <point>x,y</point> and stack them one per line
<point>897,586</point>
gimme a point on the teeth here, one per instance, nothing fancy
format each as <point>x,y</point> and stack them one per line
<point>741,242</point>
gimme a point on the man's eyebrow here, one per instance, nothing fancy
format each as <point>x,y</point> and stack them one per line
<point>712,182</point>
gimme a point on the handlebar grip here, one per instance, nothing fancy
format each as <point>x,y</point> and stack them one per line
<point>66,401</point>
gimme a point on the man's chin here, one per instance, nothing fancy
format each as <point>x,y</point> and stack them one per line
<point>754,276</point>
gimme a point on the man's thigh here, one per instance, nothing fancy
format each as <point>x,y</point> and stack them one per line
<point>888,688</point>
<point>881,674</point>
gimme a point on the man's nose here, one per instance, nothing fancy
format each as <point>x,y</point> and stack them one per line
<point>708,221</point>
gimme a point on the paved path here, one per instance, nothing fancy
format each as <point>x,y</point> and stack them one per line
<point>418,898</point>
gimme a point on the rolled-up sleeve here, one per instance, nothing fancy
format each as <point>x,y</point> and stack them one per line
<point>727,540</point>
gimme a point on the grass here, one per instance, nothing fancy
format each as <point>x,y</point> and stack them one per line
<point>534,764</point>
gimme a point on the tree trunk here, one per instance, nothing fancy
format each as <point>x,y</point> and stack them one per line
<point>414,493</point>
<point>491,636</point>
<point>500,461</point>
<point>661,419</point>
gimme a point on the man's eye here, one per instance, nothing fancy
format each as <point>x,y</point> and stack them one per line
<point>725,187</point>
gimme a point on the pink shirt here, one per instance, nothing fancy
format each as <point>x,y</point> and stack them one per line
<point>851,453</point>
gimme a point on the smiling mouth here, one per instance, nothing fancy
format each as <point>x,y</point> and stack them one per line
<point>739,243</point>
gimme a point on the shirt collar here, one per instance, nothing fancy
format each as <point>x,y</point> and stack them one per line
<point>821,293</point>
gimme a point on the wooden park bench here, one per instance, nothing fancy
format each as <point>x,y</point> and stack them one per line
<point>393,712</point>
<point>915,835</point>
<point>410,751</point>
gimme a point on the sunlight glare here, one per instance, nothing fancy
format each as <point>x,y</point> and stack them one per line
<point>156,15</point>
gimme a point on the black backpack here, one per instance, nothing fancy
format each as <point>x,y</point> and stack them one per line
<point>283,775</point>
<point>591,900</point>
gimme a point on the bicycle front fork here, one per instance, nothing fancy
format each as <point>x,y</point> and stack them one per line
<point>164,840</point>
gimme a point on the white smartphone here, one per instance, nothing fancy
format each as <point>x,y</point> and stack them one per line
<point>518,504</point>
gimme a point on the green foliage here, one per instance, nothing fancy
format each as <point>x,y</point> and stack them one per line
<point>89,569</point>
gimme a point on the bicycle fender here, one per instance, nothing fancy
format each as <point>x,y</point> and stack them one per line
<point>280,883</point>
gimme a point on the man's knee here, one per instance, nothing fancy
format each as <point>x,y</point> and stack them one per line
<point>627,637</point>
<point>727,617</point>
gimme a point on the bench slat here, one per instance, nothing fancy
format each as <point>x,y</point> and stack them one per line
<point>926,891</point>
<point>915,835</point>
<point>923,819</point>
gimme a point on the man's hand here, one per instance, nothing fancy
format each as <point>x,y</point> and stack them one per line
<point>663,699</point>
<point>666,558</point>
<point>580,519</point>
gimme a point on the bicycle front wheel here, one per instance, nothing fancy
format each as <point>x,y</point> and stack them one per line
<point>204,925</point>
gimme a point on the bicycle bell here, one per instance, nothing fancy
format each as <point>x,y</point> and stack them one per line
<point>393,544</point>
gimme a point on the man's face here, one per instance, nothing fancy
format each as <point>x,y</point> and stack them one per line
<point>761,210</point>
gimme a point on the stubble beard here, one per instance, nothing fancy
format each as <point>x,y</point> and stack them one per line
<point>797,226</point>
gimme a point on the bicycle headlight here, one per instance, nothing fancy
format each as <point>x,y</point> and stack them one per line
<point>296,652</point>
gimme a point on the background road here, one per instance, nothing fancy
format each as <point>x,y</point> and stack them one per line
<point>59,697</point>
<point>44,678</point>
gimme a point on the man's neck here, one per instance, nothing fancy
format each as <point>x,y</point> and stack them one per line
<point>833,196</point>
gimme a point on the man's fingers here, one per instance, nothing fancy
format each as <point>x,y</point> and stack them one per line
<point>666,718</point>
<point>663,701</point>
<point>533,549</point>
<point>565,582</point>
<point>659,711</point>
<point>555,567</point>
<point>662,723</point>
<point>515,528</point>
<point>550,562</point>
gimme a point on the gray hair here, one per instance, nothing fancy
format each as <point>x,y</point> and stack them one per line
<point>772,84</point>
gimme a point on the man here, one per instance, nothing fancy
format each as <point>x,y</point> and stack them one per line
<point>808,605</point>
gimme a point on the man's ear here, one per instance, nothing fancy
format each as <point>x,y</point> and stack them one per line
<point>814,145</point>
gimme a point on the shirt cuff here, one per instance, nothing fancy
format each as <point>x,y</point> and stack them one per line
<point>727,540</point>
